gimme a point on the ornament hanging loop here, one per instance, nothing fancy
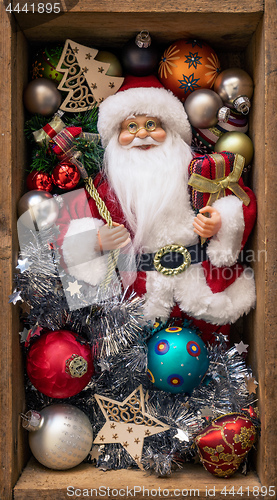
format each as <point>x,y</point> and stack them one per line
<point>32,420</point>
<point>242,104</point>
<point>143,39</point>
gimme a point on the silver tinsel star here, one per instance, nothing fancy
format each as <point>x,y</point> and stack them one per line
<point>73,288</point>
<point>207,412</point>
<point>251,384</point>
<point>24,335</point>
<point>15,297</point>
<point>23,265</point>
<point>241,347</point>
<point>182,435</point>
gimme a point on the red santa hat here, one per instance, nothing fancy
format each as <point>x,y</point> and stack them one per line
<point>140,96</point>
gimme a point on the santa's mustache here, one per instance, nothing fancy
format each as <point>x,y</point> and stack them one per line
<point>138,141</point>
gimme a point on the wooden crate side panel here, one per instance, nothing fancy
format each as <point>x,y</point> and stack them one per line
<point>261,324</point>
<point>37,482</point>
<point>238,6</point>
<point>11,153</point>
<point>270,343</point>
<point>229,30</point>
<point>19,153</point>
<point>255,322</point>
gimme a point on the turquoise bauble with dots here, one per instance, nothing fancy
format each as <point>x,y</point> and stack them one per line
<point>177,360</point>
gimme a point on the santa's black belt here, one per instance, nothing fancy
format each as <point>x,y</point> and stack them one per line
<point>172,259</point>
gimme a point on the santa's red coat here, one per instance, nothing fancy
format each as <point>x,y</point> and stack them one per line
<point>230,292</point>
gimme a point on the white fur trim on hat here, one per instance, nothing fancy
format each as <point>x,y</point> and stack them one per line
<point>155,102</point>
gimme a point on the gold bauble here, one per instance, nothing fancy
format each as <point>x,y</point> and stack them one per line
<point>236,142</point>
<point>115,68</point>
<point>42,96</point>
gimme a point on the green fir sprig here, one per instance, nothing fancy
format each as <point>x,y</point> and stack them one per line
<point>33,124</point>
<point>43,159</point>
<point>92,155</point>
<point>87,120</point>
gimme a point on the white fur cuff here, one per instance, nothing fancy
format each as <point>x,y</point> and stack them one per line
<point>78,248</point>
<point>224,247</point>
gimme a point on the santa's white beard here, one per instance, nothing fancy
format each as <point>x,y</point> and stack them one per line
<point>148,182</point>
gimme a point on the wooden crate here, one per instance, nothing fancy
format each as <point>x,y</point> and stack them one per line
<point>245,32</point>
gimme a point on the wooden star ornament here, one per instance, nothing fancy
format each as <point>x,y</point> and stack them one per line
<point>128,423</point>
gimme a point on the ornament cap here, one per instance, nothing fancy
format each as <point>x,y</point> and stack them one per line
<point>76,366</point>
<point>223,114</point>
<point>143,39</point>
<point>242,104</point>
<point>32,420</point>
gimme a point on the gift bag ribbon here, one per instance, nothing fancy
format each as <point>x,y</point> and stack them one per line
<point>49,130</point>
<point>217,187</point>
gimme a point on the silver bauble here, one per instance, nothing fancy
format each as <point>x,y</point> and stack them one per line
<point>42,96</point>
<point>205,108</point>
<point>235,87</point>
<point>38,210</point>
<point>60,435</point>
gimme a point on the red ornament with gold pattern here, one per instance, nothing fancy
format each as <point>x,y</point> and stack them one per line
<point>66,175</point>
<point>223,445</point>
<point>188,65</point>
<point>60,364</point>
<point>39,181</point>
<point>45,63</point>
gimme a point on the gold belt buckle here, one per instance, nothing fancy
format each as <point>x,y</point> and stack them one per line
<point>172,248</point>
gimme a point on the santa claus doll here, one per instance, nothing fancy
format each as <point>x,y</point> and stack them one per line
<point>144,185</point>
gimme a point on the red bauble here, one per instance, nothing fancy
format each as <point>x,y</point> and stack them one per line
<point>60,364</point>
<point>224,443</point>
<point>188,65</point>
<point>39,180</point>
<point>66,175</point>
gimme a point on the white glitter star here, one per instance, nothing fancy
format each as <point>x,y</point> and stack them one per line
<point>23,265</point>
<point>241,347</point>
<point>182,435</point>
<point>73,288</point>
<point>15,297</point>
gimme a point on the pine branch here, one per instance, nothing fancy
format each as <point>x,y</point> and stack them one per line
<point>92,155</point>
<point>86,120</point>
<point>35,123</point>
<point>43,159</point>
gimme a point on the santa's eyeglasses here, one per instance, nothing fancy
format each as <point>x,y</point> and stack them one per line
<point>133,127</point>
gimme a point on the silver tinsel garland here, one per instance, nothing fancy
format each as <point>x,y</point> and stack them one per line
<point>113,327</point>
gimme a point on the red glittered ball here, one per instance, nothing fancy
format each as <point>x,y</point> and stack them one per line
<point>60,364</point>
<point>39,181</point>
<point>66,175</point>
<point>224,443</point>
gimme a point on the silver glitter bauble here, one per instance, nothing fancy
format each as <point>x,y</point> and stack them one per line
<point>60,435</point>
<point>42,96</point>
<point>235,87</point>
<point>38,209</point>
<point>205,108</point>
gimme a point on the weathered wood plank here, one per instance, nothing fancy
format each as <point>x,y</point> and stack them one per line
<point>270,345</point>
<point>223,30</point>
<point>38,482</point>
<point>6,436</point>
<point>75,6</point>
<point>11,153</point>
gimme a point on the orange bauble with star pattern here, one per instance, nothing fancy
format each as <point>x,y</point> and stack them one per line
<point>188,65</point>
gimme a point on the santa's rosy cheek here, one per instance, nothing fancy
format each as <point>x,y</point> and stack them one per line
<point>125,138</point>
<point>159,134</point>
